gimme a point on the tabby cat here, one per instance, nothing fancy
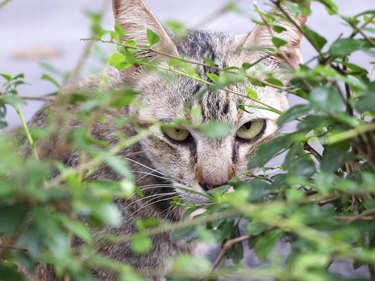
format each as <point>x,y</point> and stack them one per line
<point>175,157</point>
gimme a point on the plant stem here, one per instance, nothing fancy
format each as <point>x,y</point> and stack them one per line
<point>27,131</point>
<point>2,4</point>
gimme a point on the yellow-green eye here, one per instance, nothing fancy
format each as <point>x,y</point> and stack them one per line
<point>177,134</point>
<point>251,129</point>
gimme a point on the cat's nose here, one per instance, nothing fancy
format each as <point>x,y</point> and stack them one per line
<point>206,185</point>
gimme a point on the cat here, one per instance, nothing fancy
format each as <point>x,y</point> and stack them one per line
<point>175,157</point>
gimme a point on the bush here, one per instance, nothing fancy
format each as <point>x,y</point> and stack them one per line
<point>319,199</point>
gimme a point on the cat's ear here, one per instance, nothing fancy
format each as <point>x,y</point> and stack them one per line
<point>135,17</point>
<point>262,36</point>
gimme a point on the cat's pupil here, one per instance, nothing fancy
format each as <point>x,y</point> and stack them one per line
<point>178,130</point>
<point>248,125</point>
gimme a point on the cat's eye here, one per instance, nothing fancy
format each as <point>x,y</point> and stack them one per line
<point>177,134</point>
<point>251,130</point>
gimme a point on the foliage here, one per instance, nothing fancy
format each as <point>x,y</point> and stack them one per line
<point>319,199</point>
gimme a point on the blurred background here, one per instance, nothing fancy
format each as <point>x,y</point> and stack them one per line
<point>44,36</point>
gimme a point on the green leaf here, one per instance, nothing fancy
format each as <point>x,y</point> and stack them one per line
<point>152,37</point>
<point>278,28</point>
<point>266,243</point>
<point>122,97</point>
<point>10,218</point>
<point>275,81</point>
<point>116,59</point>
<point>9,272</point>
<point>127,274</point>
<point>344,47</point>
<point>141,243</point>
<point>52,80</point>
<point>213,77</point>
<point>251,93</point>
<point>191,266</point>
<point>330,6</point>
<point>293,113</point>
<point>269,150</point>
<point>327,99</point>
<point>118,164</point>
<point>278,42</point>
<point>78,228</point>
<point>215,129</point>
<point>316,40</point>
<point>186,234</point>
<point>334,156</point>
<point>119,32</point>
<point>7,77</point>
<point>367,101</point>
<point>178,28</point>
<point>303,167</point>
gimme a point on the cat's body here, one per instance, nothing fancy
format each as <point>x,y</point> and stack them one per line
<point>160,163</point>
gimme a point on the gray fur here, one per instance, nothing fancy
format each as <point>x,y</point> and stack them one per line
<point>161,166</point>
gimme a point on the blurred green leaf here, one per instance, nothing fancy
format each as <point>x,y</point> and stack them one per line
<point>316,40</point>
<point>267,151</point>
<point>152,37</point>
<point>278,42</point>
<point>346,46</point>
<point>215,129</point>
<point>141,243</point>
<point>327,99</point>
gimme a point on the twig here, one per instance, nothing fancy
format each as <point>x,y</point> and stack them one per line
<point>312,150</point>
<point>362,215</point>
<point>228,245</point>
<point>360,29</point>
<point>2,4</point>
<point>329,200</point>
<point>6,247</point>
<point>350,218</point>
<point>224,249</point>
<point>85,52</point>
<point>41,98</point>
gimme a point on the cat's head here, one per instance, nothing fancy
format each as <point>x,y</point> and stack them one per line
<point>186,155</point>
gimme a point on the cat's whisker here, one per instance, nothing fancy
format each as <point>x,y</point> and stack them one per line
<point>155,187</point>
<point>150,204</point>
<point>144,166</point>
<point>150,197</point>
<point>149,174</point>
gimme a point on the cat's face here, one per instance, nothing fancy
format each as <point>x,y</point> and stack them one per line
<point>188,158</point>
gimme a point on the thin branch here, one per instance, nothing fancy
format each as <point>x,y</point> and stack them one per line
<point>313,152</point>
<point>360,30</point>
<point>2,4</point>
<point>362,215</point>
<point>41,98</point>
<point>228,245</point>
<point>350,218</point>
<point>224,249</point>
<point>85,52</point>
